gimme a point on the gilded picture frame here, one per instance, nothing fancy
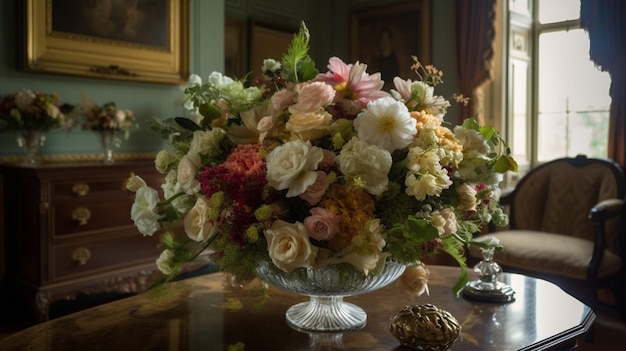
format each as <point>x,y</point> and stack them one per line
<point>401,30</point>
<point>142,40</point>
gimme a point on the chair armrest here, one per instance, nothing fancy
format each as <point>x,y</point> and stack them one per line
<point>606,209</point>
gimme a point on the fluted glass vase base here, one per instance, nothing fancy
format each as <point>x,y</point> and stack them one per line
<point>30,141</point>
<point>326,287</point>
<point>323,313</point>
<point>109,140</point>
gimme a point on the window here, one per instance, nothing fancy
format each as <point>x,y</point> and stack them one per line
<point>559,101</point>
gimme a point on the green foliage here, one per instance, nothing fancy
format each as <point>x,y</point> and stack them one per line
<point>297,65</point>
<point>504,161</point>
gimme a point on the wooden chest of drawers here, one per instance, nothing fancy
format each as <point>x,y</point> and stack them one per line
<point>67,231</point>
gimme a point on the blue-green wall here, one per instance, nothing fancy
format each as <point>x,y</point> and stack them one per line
<point>145,99</point>
<point>328,21</point>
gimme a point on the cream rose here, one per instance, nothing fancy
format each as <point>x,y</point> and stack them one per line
<point>143,211</point>
<point>198,226</point>
<point>310,125</point>
<point>467,197</point>
<point>293,166</point>
<point>188,173</point>
<point>289,247</point>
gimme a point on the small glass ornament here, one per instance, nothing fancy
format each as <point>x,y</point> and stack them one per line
<point>487,287</point>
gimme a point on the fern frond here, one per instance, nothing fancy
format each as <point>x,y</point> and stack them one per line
<point>297,65</point>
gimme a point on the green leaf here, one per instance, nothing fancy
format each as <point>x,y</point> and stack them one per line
<point>297,65</point>
<point>187,123</point>
<point>470,123</point>
<point>420,228</point>
<point>209,111</point>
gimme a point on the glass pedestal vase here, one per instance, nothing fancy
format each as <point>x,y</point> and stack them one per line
<point>31,141</point>
<point>326,287</point>
<point>109,141</point>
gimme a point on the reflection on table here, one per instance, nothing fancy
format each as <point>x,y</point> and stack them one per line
<point>210,313</point>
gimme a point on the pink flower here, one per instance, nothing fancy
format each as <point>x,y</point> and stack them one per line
<point>352,82</point>
<point>321,224</point>
<point>245,160</point>
<point>282,99</point>
<point>311,96</point>
<point>313,194</point>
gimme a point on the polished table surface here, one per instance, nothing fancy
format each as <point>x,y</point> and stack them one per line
<point>206,313</point>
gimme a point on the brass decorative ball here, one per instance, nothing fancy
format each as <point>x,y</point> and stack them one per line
<point>424,327</point>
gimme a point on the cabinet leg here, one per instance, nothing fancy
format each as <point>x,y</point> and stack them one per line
<point>42,305</point>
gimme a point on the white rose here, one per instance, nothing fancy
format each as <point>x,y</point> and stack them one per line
<point>368,162</point>
<point>289,247</point>
<point>188,173</point>
<point>198,226</point>
<point>134,182</point>
<point>293,166</point>
<point>143,211</point>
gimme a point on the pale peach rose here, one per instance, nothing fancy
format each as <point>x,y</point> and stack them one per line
<point>414,279</point>
<point>282,99</point>
<point>264,126</point>
<point>312,96</point>
<point>289,247</point>
<point>467,197</point>
<point>310,125</point>
<point>322,224</point>
<point>313,194</point>
<point>198,226</point>
<point>188,173</point>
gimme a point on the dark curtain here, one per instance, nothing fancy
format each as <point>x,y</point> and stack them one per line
<point>474,35</point>
<point>605,21</point>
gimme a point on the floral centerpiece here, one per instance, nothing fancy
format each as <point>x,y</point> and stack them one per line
<point>32,113</point>
<point>309,169</point>
<point>107,117</point>
<point>32,110</point>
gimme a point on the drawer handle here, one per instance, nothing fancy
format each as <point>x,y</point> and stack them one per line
<point>80,189</point>
<point>81,255</point>
<point>81,215</point>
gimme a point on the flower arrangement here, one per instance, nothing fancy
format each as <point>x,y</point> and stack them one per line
<point>32,110</point>
<point>308,169</point>
<point>107,117</point>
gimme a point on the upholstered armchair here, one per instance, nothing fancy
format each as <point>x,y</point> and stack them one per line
<point>567,226</point>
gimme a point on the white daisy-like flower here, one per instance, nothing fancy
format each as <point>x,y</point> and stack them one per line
<point>386,123</point>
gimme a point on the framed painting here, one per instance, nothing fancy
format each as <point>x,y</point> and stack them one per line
<point>139,40</point>
<point>267,42</point>
<point>385,38</point>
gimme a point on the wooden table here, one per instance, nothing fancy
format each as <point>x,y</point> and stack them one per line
<point>206,313</point>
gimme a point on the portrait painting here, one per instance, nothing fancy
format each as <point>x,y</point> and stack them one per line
<point>386,38</point>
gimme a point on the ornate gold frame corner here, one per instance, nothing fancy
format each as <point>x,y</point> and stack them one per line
<point>80,53</point>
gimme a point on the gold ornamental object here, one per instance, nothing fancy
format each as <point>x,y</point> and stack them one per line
<point>424,327</point>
